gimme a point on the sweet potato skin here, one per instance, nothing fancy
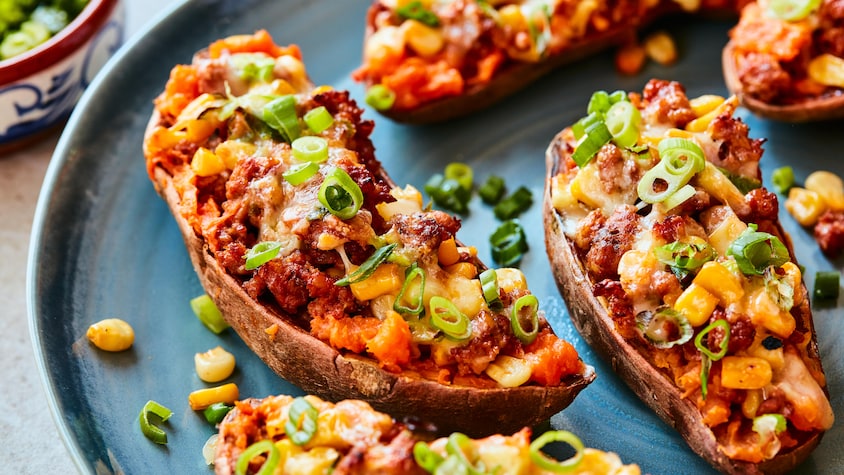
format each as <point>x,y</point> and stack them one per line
<point>654,389</point>
<point>318,369</point>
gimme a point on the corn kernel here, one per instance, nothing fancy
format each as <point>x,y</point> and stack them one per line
<point>111,334</point>
<point>683,134</point>
<point>466,269</point>
<point>510,279</point>
<point>827,69</point>
<point>231,151</point>
<point>199,130</point>
<point>660,47</point>
<point>764,311</point>
<point>447,253</point>
<point>696,303</point>
<point>422,39</point>
<point>720,282</point>
<point>806,206</point>
<point>214,365</point>
<point>751,403</point>
<point>718,185</point>
<point>206,163</point>
<point>509,372</point>
<point>202,398</point>
<point>387,278</point>
<point>726,232</point>
<point>702,122</point>
<point>705,104</point>
<point>829,186</point>
<point>745,372</point>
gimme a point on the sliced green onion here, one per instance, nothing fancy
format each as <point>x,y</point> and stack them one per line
<point>447,317</point>
<point>368,267</point>
<point>340,194</point>
<point>783,179</point>
<point>827,284</point>
<point>310,148</point>
<point>254,66</point>
<point>300,173</point>
<point>624,121</point>
<point>301,422</point>
<point>664,327</point>
<point>743,183</point>
<point>579,127</point>
<point>261,253</point>
<point>595,136</point>
<point>686,255</point>
<point>258,448</point>
<point>725,341</point>
<point>207,312</point>
<point>769,424</point>
<point>492,190</point>
<point>508,243</point>
<point>461,446</point>
<point>380,97</point>
<point>461,173</point>
<point>679,197</point>
<point>525,306</point>
<point>489,284</point>
<point>215,413</point>
<point>618,96</point>
<point>557,466</point>
<point>150,430</point>
<point>412,274</point>
<point>318,119</point>
<point>425,457</point>
<point>705,366</point>
<point>755,250</point>
<point>793,10</point>
<point>280,115</point>
<point>514,204</point>
<point>681,157</point>
<point>599,103</point>
<point>448,193</point>
<point>53,18</point>
<point>415,10</point>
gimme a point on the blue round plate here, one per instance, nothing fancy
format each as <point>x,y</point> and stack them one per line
<point>104,244</point>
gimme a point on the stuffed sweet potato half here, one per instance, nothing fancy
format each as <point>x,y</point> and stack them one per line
<point>343,283</point>
<point>282,434</point>
<point>785,60</point>
<point>430,61</point>
<point>674,267</point>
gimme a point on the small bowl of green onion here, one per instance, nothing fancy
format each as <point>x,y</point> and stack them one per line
<point>50,50</point>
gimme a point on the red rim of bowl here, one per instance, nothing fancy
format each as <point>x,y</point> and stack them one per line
<point>63,44</point>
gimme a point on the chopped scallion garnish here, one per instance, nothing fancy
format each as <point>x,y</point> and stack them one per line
<point>301,425</point>
<point>207,312</point>
<point>261,253</point>
<point>509,243</point>
<point>380,97</point>
<point>447,317</point>
<point>340,194</point>
<point>280,115</point>
<point>827,284</point>
<point>524,319</point>
<point>724,325</point>
<point>310,148</point>
<point>150,430</point>
<point>513,205</point>
<point>415,10</point>
<point>492,190</point>
<point>262,446</point>
<point>368,267</point>
<point>318,119</point>
<point>557,466</point>
<point>755,250</point>
<point>300,173</point>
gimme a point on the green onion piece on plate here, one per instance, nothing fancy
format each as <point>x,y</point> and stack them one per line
<point>783,179</point>
<point>207,312</point>
<point>827,284</point>
<point>150,430</point>
<point>508,243</point>
<point>492,190</point>
<point>461,173</point>
<point>513,205</point>
<point>215,413</point>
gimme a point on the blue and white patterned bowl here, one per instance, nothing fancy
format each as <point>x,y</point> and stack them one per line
<point>39,88</point>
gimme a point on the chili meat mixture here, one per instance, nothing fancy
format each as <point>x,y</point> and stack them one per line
<point>280,180</point>
<point>662,202</point>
